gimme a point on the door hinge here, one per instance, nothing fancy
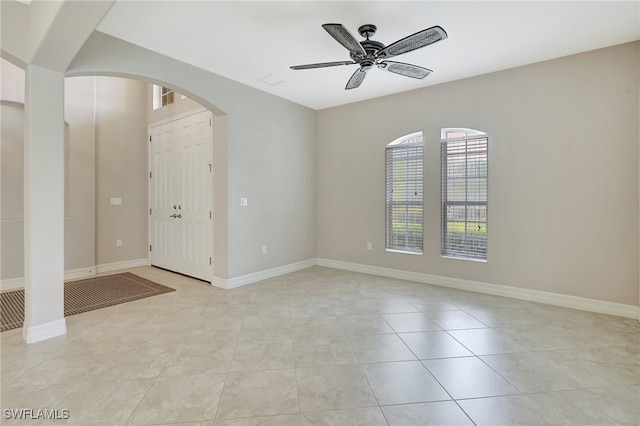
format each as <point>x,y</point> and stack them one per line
<point>209,122</point>
<point>210,215</point>
<point>209,261</point>
<point>149,211</point>
<point>150,175</point>
<point>149,138</point>
<point>210,167</point>
<point>150,247</point>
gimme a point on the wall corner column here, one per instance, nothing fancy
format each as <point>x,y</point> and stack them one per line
<point>44,204</point>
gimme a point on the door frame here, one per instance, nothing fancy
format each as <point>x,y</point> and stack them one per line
<point>149,192</point>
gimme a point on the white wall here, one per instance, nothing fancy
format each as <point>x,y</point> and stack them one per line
<point>11,82</point>
<point>563,175</point>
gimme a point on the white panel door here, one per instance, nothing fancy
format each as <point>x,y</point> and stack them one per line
<point>181,191</point>
<point>161,196</point>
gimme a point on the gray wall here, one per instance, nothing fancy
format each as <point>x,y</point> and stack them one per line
<point>563,175</point>
<point>105,156</point>
<point>79,202</point>
<point>121,169</point>
<point>12,91</point>
<point>270,156</point>
<point>11,191</point>
<point>80,174</point>
<point>564,137</point>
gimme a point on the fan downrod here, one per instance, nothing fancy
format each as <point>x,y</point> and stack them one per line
<point>369,46</point>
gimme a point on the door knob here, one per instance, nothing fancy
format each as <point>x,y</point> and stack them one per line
<point>174,207</point>
<point>179,216</point>
<point>173,215</point>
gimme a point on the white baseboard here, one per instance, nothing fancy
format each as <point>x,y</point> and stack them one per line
<point>36,333</point>
<point>556,299</point>
<point>230,283</point>
<point>126,264</point>
<point>12,283</point>
<point>73,274</point>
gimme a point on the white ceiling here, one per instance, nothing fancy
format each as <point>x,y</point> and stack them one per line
<point>246,41</point>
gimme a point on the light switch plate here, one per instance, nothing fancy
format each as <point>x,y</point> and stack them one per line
<point>243,202</point>
<point>116,201</point>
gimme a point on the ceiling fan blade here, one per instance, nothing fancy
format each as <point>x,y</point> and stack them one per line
<point>408,70</point>
<point>356,79</point>
<point>321,65</point>
<point>345,38</point>
<point>414,41</point>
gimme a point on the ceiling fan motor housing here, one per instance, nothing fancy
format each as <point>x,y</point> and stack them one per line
<point>372,48</point>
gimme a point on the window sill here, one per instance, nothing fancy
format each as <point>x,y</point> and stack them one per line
<point>464,258</point>
<point>403,252</point>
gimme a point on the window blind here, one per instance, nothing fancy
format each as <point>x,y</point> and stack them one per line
<point>404,196</point>
<point>464,161</point>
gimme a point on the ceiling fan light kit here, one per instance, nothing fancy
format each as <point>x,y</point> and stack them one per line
<point>370,53</point>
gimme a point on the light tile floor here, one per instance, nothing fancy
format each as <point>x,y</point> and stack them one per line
<point>328,347</point>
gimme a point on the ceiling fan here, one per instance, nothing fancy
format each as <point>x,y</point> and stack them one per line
<point>368,53</point>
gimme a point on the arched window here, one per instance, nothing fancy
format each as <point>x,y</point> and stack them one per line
<point>464,178</point>
<point>404,196</point>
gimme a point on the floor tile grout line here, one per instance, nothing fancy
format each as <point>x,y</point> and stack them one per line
<point>588,387</point>
<point>129,419</point>
<point>521,392</point>
<point>75,388</point>
<point>295,363</point>
<point>436,379</point>
<point>224,385</point>
<point>364,375</point>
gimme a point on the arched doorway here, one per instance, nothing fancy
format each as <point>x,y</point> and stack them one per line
<point>106,203</point>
